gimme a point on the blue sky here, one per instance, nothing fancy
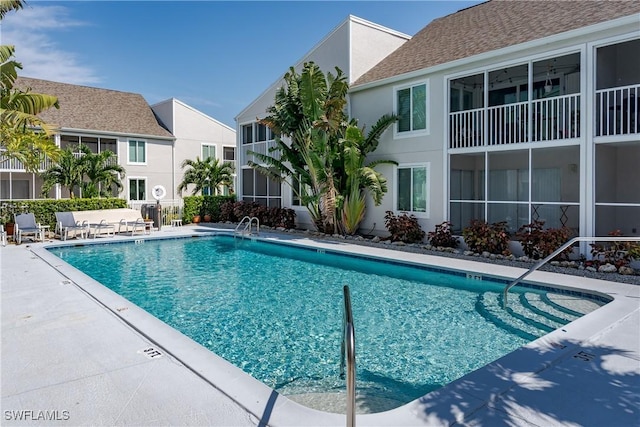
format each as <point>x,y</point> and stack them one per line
<point>216,56</point>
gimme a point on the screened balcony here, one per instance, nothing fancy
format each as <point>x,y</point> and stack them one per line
<point>532,102</point>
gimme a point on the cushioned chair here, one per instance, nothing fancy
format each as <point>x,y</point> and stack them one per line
<point>65,224</point>
<point>26,225</point>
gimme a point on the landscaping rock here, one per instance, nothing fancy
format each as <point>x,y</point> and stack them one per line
<point>591,269</point>
<point>375,239</point>
<point>486,254</point>
<point>468,253</point>
<point>399,243</point>
<point>607,268</point>
<point>626,271</point>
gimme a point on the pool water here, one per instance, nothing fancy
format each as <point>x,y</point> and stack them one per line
<point>275,311</point>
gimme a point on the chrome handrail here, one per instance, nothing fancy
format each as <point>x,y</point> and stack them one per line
<point>558,251</point>
<point>248,226</point>
<point>348,357</point>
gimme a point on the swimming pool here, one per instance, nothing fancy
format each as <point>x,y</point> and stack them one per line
<point>275,311</point>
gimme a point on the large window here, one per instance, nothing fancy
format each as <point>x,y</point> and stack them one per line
<point>258,188</point>
<point>411,107</point>
<point>137,151</point>
<point>137,189</point>
<point>208,151</point>
<point>412,188</point>
<point>521,186</point>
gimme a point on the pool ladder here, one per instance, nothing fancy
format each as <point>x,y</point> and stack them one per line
<point>558,251</point>
<point>348,357</point>
<point>247,221</point>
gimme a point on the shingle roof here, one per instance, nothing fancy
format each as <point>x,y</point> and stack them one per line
<point>493,25</point>
<point>89,108</point>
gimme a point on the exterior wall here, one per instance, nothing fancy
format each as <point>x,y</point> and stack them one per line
<point>371,101</point>
<point>192,130</point>
<point>158,169</point>
<point>354,46</point>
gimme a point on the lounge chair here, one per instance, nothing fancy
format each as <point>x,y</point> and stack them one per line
<point>65,223</point>
<point>26,225</point>
<point>3,235</point>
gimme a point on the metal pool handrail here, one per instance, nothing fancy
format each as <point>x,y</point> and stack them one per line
<point>348,357</point>
<point>248,226</point>
<point>558,251</point>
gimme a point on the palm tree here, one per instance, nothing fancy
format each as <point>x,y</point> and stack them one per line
<point>324,160</point>
<point>101,172</point>
<point>68,172</point>
<point>205,174</point>
<point>24,136</point>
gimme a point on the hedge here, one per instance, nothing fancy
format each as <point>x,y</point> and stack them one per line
<point>45,209</point>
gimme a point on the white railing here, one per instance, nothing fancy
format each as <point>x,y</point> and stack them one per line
<point>617,111</point>
<point>508,123</point>
<point>258,147</point>
<point>466,128</point>
<point>556,118</point>
<point>14,165</point>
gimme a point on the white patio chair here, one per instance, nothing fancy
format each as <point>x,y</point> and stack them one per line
<point>65,223</point>
<point>3,235</point>
<point>26,225</point>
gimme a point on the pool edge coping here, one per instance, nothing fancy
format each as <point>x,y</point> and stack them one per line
<point>262,402</point>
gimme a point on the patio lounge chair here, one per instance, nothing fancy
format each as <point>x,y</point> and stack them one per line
<point>26,225</point>
<point>3,235</point>
<point>65,223</point>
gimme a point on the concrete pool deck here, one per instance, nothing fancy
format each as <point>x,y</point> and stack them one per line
<point>68,359</point>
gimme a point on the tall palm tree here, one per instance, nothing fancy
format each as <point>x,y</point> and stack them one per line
<point>68,171</point>
<point>102,174</point>
<point>207,173</point>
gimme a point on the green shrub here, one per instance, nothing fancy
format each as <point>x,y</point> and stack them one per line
<point>538,243</point>
<point>404,228</point>
<point>45,209</point>
<point>204,205</point>
<point>269,216</point>
<point>443,237</point>
<point>483,237</point>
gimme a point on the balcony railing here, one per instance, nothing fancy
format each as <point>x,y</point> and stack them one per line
<point>554,118</point>
<point>13,165</point>
<point>258,147</point>
<point>617,111</point>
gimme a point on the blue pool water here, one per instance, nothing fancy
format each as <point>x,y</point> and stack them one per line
<point>276,311</point>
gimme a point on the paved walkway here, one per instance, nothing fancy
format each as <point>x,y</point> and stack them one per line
<point>69,360</point>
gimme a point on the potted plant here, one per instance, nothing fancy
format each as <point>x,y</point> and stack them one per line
<point>195,219</point>
<point>7,218</point>
<point>207,217</point>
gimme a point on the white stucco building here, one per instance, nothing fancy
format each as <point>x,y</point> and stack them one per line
<point>509,111</point>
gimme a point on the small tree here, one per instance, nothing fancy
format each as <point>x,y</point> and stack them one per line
<point>68,171</point>
<point>207,173</point>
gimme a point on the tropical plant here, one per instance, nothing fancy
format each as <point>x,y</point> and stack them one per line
<point>102,174</point>
<point>323,159</point>
<point>207,173</point>
<point>68,171</point>
<point>538,242</point>
<point>23,135</point>
<point>442,236</point>
<point>403,227</point>
<point>481,236</point>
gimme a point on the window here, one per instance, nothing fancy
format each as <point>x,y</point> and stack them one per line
<point>247,134</point>
<point>412,188</point>
<point>411,107</point>
<point>137,189</point>
<point>228,154</point>
<point>137,151</point>
<point>258,188</point>
<point>208,151</point>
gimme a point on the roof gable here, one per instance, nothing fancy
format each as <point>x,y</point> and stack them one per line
<point>490,26</point>
<point>100,110</point>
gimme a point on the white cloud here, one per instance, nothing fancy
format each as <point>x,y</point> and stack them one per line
<point>32,30</point>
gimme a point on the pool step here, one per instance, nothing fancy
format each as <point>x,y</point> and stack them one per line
<point>528,314</point>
